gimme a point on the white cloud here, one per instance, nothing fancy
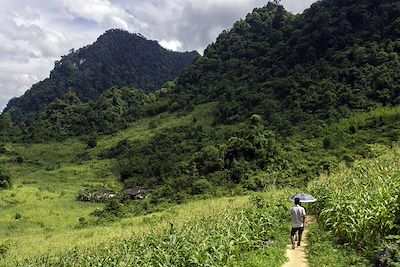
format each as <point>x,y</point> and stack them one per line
<point>102,12</point>
<point>297,6</point>
<point>173,45</point>
<point>194,23</point>
<point>14,82</point>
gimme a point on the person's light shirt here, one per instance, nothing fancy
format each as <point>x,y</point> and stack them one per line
<point>298,214</point>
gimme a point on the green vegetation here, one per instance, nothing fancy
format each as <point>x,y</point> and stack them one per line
<point>324,251</point>
<point>300,71</point>
<point>360,209</point>
<point>280,111</point>
<point>5,181</point>
<point>275,102</point>
<point>221,239</point>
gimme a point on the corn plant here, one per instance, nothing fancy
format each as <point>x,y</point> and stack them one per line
<point>214,241</point>
<point>361,205</point>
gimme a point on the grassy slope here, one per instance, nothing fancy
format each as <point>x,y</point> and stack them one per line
<point>210,230</point>
<point>45,185</point>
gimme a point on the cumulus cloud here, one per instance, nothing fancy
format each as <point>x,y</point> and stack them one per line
<point>102,12</point>
<point>194,23</point>
<point>174,45</point>
<point>14,82</point>
<point>35,33</point>
<point>297,6</point>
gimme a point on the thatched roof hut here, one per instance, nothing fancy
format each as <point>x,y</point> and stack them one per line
<point>103,194</point>
<point>137,192</point>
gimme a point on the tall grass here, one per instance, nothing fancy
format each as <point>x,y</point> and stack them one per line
<point>221,239</point>
<point>360,206</point>
<point>375,117</point>
<point>46,182</point>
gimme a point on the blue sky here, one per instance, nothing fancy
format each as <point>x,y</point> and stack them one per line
<point>35,33</point>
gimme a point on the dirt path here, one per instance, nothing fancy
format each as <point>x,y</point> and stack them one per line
<point>297,257</point>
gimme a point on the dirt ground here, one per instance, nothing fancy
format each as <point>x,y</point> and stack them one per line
<point>297,257</point>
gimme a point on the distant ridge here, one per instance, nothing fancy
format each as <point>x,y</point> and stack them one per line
<point>117,58</point>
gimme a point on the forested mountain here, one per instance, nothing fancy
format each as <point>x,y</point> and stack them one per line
<point>336,58</point>
<point>287,97</point>
<point>117,58</point>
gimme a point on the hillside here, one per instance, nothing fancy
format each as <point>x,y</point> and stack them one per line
<point>274,113</point>
<point>298,72</point>
<point>230,231</point>
<point>277,102</point>
<point>118,58</point>
<point>41,207</point>
<point>336,58</point>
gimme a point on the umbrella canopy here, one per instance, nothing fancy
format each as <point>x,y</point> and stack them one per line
<point>304,198</point>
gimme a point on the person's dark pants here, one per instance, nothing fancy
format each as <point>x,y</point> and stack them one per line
<point>293,232</point>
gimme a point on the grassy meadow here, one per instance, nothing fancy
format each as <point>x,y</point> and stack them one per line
<point>41,208</point>
<point>42,224</point>
<point>39,214</point>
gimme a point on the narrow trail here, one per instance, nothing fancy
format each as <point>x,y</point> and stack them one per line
<point>297,257</point>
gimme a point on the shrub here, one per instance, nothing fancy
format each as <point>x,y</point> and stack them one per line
<point>91,143</point>
<point>86,194</point>
<point>374,150</point>
<point>115,208</point>
<point>82,222</point>
<point>328,143</point>
<point>5,181</point>
<point>19,159</point>
<point>3,249</point>
<point>201,186</point>
<point>152,124</point>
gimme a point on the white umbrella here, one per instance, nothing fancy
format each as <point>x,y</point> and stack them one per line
<point>304,198</point>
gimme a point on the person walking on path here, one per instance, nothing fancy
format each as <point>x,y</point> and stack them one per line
<point>298,214</point>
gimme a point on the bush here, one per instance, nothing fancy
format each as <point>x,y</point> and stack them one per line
<point>19,159</point>
<point>328,143</point>
<point>82,222</point>
<point>374,150</point>
<point>3,249</point>
<point>91,143</point>
<point>152,124</point>
<point>5,181</point>
<point>115,208</point>
<point>201,186</point>
<point>256,181</point>
<point>86,194</point>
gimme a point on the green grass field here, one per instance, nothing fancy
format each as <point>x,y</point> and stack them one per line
<point>40,214</point>
<point>40,218</point>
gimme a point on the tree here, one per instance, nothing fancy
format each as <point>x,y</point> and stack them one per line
<point>5,181</point>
